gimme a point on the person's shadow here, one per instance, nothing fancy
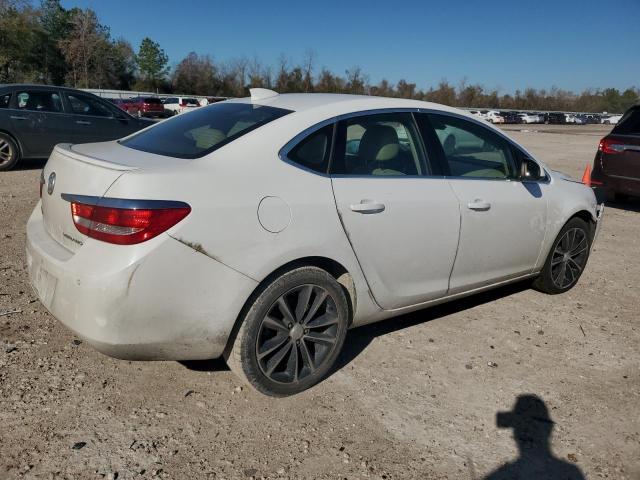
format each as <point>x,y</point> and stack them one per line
<point>532,428</point>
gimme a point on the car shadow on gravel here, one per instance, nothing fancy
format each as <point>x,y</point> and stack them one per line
<point>359,338</point>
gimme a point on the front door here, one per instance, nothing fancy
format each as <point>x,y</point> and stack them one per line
<point>95,120</point>
<point>403,225</point>
<point>502,218</point>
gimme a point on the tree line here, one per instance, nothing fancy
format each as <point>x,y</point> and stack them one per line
<point>53,45</point>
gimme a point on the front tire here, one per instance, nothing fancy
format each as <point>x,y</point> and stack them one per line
<point>567,258</point>
<point>9,153</point>
<point>292,333</point>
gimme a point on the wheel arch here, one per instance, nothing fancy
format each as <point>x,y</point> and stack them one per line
<point>331,266</point>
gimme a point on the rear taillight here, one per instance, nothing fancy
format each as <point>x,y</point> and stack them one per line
<point>608,145</point>
<point>126,226</point>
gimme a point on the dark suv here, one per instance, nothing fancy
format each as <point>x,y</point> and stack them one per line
<point>34,118</point>
<point>616,167</point>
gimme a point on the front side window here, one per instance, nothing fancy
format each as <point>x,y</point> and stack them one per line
<point>85,105</point>
<point>379,145</point>
<point>39,101</point>
<point>203,130</point>
<point>471,150</point>
<point>313,152</point>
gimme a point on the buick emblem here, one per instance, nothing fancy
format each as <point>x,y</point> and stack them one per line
<point>51,184</point>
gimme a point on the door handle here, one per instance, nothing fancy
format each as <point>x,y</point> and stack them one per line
<point>15,117</point>
<point>83,122</point>
<point>368,206</point>
<point>479,204</point>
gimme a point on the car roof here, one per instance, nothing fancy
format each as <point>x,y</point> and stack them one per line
<point>341,103</point>
<point>14,86</point>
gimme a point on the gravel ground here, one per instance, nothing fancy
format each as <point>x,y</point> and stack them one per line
<point>414,397</point>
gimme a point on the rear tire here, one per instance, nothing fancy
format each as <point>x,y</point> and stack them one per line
<point>567,258</point>
<point>9,153</point>
<point>291,334</point>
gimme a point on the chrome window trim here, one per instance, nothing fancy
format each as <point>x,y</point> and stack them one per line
<point>284,151</point>
<point>125,203</point>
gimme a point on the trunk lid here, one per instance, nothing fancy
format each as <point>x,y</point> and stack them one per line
<point>86,169</point>
<point>67,171</point>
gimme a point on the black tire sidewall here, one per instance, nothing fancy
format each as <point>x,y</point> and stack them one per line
<point>16,153</point>
<point>262,305</point>
<point>546,280</point>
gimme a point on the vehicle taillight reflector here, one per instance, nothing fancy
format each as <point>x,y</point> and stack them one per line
<point>608,145</point>
<point>124,226</point>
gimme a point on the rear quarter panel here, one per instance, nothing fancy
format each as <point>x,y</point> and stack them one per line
<point>225,189</point>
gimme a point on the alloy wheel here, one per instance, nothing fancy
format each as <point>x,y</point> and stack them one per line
<point>298,334</point>
<point>6,152</point>
<point>569,258</point>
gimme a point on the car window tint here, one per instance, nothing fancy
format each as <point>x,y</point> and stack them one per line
<point>4,100</point>
<point>472,150</point>
<point>203,130</point>
<point>379,145</point>
<point>629,124</point>
<point>84,105</point>
<point>39,101</point>
<point>313,152</point>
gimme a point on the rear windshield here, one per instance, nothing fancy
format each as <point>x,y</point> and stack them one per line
<point>203,130</point>
<point>191,101</point>
<point>152,100</point>
<point>629,124</point>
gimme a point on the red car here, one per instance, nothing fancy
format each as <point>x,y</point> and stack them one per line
<point>616,167</point>
<point>148,106</point>
<point>126,105</point>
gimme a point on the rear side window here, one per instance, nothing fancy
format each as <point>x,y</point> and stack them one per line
<point>378,145</point>
<point>313,152</point>
<point>629,124</point>
<point>39,101</point>
<point>203,130</point>
<point>4,100</point>
<point>191,101</point>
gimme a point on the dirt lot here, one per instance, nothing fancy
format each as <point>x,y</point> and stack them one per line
<point>415,397</point>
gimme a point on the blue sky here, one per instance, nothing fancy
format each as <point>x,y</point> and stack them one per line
<point>506,45</point>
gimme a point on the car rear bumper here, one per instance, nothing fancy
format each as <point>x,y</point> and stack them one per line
<point>616,183</point>
<point>165,302</point>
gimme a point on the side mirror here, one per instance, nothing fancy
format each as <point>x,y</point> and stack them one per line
<point>530,171</point>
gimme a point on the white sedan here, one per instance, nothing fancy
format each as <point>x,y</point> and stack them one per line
<point>261,229</point>
<point>529,118</point>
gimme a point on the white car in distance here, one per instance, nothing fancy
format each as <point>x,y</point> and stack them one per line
<point>178,105</point>
<point>261,229</point>
<point>493,116</point>
<point>529,118</point>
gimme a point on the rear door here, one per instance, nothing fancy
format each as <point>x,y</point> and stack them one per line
<point>503,220</point>
<point>402,223</point>
<point>95,120</point>
<point>39,120</point>
<point>624,140</point>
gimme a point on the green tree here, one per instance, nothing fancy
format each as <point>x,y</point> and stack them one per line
<point>152,63</point>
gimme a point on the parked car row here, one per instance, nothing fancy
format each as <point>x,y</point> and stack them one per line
<point>497,116</point>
